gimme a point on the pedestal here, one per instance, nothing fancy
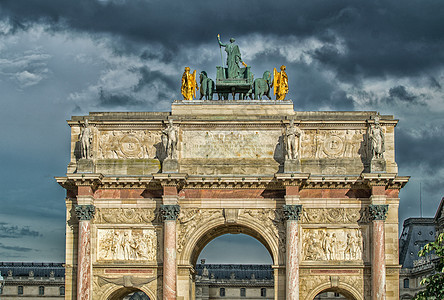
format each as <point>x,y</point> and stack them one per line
<point>170,166</point>
<point>292,166</point>
<point>85,166</point>
<point>377,165</point>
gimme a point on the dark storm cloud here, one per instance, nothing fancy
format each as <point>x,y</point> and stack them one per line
<point>148,76</point>
<point>109,100</point>
<point>15,248</point>
<point>421,150</point>
<point>8,231</point>
<point>381,37</point>
<point>400,92</point>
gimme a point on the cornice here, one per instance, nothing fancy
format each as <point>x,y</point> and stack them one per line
<point>389,180</point>
<point>230,182</point>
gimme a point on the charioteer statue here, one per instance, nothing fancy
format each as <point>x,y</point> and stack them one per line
<point>233,78</point>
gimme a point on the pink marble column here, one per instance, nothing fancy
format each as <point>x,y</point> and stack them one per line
<point>170,214</point>
<point>378,213</point>
<point>292,213</point>
<point>84,267</point>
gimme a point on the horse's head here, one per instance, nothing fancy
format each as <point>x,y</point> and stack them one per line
<point>267,76</point>
<point>202,76</point>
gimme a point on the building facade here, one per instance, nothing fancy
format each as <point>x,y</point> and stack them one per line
<point>415,234</point>
<point>32,280</point>
<point>146,192</point>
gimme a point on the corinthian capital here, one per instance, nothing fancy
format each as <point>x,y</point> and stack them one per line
<point>85,212</point>
<point>292,212</point>
<point>169,212</point>
<point>378,212</point>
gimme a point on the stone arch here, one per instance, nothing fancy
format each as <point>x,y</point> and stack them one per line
<point>208,231</point>
<point>118,292</point>
<point>343,288</point>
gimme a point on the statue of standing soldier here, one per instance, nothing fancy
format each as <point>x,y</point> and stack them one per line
<point>233,58</point>
<point>86,141</point>
<point>170,141</point>
<point>189,84</point>
<point>280,83</point>
<point>292,135</point>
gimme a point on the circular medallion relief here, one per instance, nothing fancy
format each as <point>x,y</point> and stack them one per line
<point>333,145</point>
<point>131,146</point>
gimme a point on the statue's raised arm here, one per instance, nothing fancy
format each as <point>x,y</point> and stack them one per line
<point>220,43</point>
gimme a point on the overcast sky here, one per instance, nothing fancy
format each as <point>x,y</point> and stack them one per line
<point>60,58</point>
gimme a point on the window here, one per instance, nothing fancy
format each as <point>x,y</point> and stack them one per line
<point>243,293</point>
<point>62,291</point>
<point>337,294</point>
<point>406,283</point>
<point>20,290</point>
<point>222,292</point>
<point>41,290</point>
<point>263,292</point>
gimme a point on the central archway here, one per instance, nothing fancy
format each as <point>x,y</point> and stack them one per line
<point>223,230</point>
<point>202,234</point>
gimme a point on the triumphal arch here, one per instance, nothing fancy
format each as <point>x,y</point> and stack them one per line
<point>147,191</point>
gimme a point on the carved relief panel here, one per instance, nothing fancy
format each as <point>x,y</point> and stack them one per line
<point>332,244</point>
<point>127,244</point>
<point>332,143</point>
<point>128,144</point>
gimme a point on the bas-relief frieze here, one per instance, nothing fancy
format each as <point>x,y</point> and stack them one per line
<point>232,144</point>
<point>332,143</point>
<point>125,215</point>
<point>135,144</point>
<point>332,215</point>
<point>127,244</point>
<point>332,244</point>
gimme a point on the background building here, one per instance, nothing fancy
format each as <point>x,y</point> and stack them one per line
<point>24,280</point>
<point>415,234</point>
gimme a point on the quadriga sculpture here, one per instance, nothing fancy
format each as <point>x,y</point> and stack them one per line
<point>261,86</point>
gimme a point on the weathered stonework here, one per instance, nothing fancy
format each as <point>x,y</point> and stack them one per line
<point>323,208</point>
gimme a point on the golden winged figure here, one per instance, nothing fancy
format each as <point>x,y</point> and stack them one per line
<point>280,83</point>
<point>189,84</point>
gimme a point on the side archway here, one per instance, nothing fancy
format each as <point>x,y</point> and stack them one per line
<point>118,292</point>
<point>345,289</point>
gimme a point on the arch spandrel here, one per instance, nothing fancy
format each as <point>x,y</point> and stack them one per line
<point>261,224</point>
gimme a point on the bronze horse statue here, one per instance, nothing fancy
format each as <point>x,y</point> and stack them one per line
<point>206,86</point>
<point>261,86</point>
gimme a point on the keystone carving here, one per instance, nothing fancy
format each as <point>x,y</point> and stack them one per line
<point>85,212</point>
<point>378,212</point>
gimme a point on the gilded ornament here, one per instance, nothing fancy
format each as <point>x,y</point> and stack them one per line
<point>189,84</point>
<point>280,83</point>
